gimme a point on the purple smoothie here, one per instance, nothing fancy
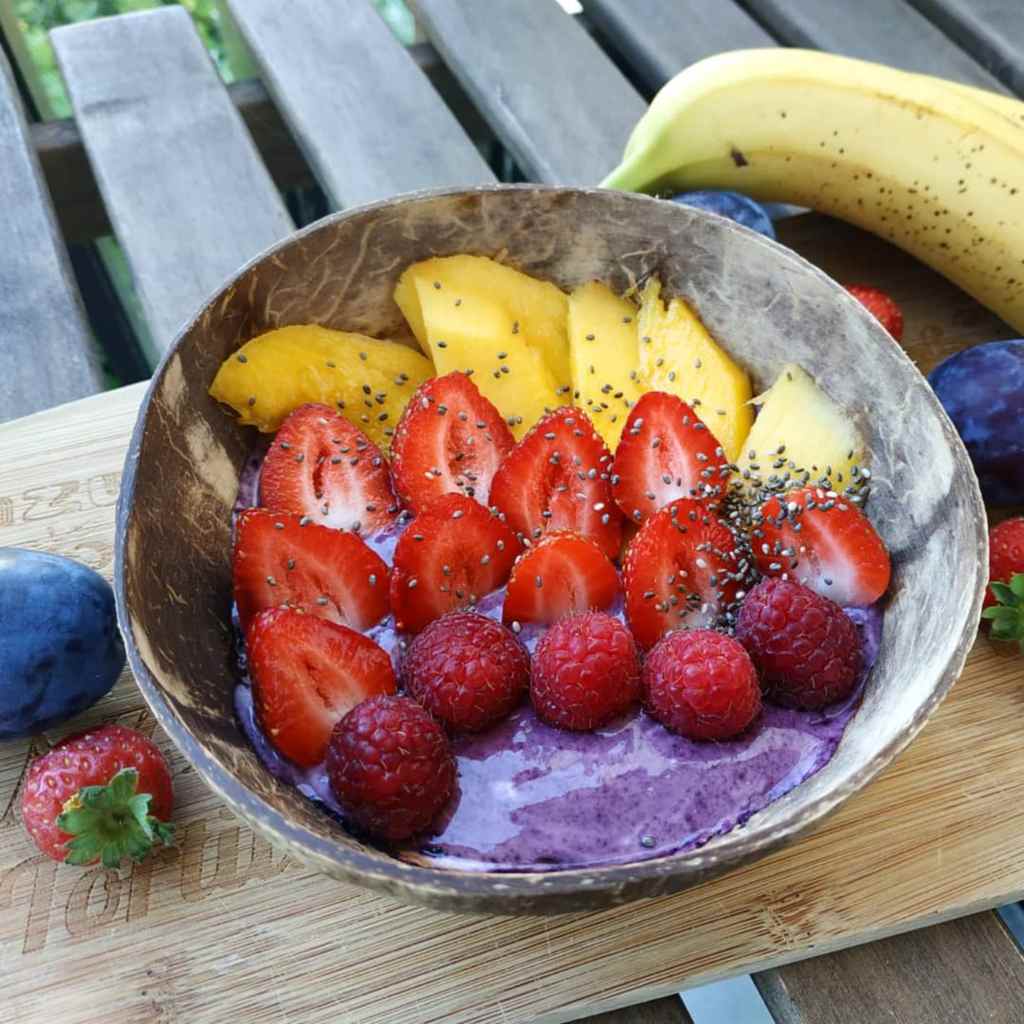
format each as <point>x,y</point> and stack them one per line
<point>531,797</point>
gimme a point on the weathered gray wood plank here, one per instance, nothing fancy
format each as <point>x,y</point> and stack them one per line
<point>548,91</point>
<point>366,117</point>
<point>46,351</point>
<point>661,37</point>
<point>186,191</point>
<point>888,31</point>
<point>962,972</point>
<point>991,30</point>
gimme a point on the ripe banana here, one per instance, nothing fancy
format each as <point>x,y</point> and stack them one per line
<point>934,167</point>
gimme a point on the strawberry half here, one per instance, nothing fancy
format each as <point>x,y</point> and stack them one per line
<point>452,554</point>
<point>281,559</point>
<point>680,571</point>
<point>666,452</point>
<point>824,542</point>
<point>556,478</point>
<point>562,573</point>
<point>307,673</point>
<point>320,465</point>
<point>450,440</point>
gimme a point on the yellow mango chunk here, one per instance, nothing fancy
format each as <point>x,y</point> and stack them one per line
<point>507,330</point>
<point>678,355</point>
<point>603,356</point>
<point>814,434</point>
<point>366,380</point>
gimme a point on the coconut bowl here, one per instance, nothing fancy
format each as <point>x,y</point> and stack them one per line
<point>763,303</point>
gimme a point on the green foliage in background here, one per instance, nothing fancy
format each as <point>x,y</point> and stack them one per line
<point>35,18</point>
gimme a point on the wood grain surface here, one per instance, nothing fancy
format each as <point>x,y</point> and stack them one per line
<point>565,126</point>
<point>992,31</point>
<point>187,193</point>
<point>46,351</point>
<point>224,928</point>
<point>963,971</point>
<point>887,31</point>
<point>659,38</point>
<point>365,115</point>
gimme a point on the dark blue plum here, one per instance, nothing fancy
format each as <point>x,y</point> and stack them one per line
<point>982,390</point>
<point>60,650</point>
<point>737,207</point>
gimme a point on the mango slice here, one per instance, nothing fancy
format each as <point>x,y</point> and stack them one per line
<point>603,357</point>
<point>368,381</point>
<point>678,355</point>
<point>508,330</point>
<point>799,426</point>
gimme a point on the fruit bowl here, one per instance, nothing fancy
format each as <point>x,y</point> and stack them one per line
<point>765,305</point>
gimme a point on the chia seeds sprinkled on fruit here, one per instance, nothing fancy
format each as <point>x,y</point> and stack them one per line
<point>242,357</point>
<point>252,400</point>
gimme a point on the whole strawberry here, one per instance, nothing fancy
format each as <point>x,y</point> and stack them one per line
<point>390,766</point>
<point>585,672</point>
<point>806,649</point>
<point>701,684</point>
<point>882,306</point>
<point>468,671</point>
<point>1004,597</point>
<point>100,795</point>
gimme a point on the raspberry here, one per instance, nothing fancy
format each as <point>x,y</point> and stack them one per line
<point>467,671</point>
<point>701,684</point>
<point>585,672</point>
<point>806,649</point>
<point>390,766</point>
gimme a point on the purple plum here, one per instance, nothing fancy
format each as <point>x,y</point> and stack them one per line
<point>740,208</point>
<point>982,390</point>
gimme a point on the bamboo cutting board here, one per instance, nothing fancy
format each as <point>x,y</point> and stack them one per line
<point>224,928</point>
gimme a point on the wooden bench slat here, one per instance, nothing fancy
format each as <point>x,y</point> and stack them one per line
<point>887,31</point>
<point>968,971</point>
<point>549,92</point>
<point>362,111</point>
<point>993,31</point>
<point>661,37</point>
<point>186,191</point>
<point>46,351</point>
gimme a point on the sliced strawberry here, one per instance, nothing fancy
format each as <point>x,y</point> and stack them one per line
<point>556,478</point>
<point>320,465</point>
<point>562,573</point>
<point>281,559</point>
<point>680,570</point>
<point>452,554</point>
<point>666,452</point>
<point>307,673</point>
<point>824,542</point>
<point>450,440</point>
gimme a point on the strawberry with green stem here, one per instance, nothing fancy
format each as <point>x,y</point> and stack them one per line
<point>1004,598</point>
<point>1007,615</point>
<point>99,796</point>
